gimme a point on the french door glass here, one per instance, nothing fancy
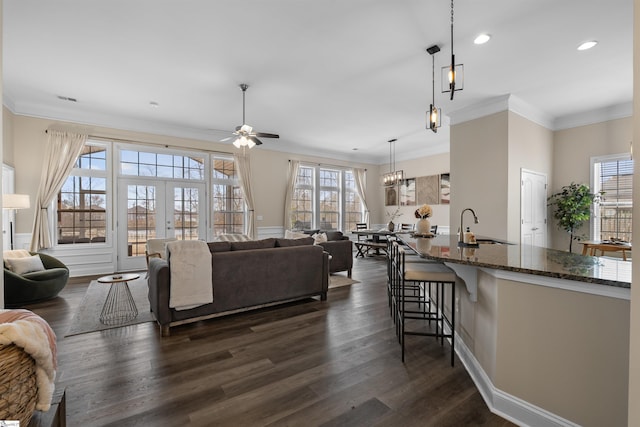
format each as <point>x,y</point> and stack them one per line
<point>156,209</point>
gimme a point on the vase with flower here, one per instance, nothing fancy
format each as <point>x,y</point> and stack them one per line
<point>391,226</point>
<point>423,226</point>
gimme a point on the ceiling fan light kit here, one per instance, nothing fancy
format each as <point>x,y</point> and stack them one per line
<point>245,136</point>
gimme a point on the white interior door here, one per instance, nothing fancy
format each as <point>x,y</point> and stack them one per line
<point>533,228</point>
<point>150,209</point>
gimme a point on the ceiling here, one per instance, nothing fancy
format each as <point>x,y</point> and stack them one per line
<point>334,78</point>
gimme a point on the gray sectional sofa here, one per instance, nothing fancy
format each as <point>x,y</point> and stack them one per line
<point>246,275</point>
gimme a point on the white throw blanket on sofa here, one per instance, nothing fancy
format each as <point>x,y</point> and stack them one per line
<point>190,266</point>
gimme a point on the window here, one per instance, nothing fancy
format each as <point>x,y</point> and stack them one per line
<point>228,202</point>
<point>141,163</point>
<point>82,200</point>
<point>612,216</point>
<point>325,198</point>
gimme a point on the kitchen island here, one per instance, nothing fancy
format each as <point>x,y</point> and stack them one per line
<point>543,333</point>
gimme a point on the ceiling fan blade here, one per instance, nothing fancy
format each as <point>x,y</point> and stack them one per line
<point>256,140</point>
<point>226,139</point>
<point>238,128</point>
<point>267,135</point>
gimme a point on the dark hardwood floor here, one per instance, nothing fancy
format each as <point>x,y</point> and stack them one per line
<point>312,363</point>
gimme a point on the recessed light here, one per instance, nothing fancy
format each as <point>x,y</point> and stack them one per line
<point>154,104</point>
<point>482,39</point>
<point>587,45</point>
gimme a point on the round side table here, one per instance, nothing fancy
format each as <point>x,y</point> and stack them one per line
<point>119,307</point>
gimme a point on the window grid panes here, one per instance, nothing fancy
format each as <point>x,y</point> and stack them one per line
<point>82,200</point>
<point>329,199</point>
<point>326,199</point>
<point>228,202</point>
<point>302,200</point>
<point>186,220</point>
<point>141,163</point>
<point>614,212</point>
<point>141,217</point>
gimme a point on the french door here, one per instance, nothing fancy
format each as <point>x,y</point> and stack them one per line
<point>153,208</point>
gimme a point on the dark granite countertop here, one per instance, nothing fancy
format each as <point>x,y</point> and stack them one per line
<point>525,259</point>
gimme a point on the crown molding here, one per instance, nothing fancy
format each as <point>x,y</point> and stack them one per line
<point>498,104</point>
<point>514,104</point>
<point>612,112</point>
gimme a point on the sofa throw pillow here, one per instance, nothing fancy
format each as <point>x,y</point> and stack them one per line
<point>25,265</point>
<point>319,238</point>
<point>14,253</point>
<point>288,234</point>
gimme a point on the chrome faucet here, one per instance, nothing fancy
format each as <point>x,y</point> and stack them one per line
<point>475,219</point>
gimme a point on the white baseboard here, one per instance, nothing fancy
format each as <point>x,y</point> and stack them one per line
<point>503,404</point>
<point>272,231</point>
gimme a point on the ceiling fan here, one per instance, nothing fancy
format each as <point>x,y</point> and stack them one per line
<point>245,136</point>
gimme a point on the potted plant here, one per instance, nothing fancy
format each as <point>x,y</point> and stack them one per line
<point>572,207</point>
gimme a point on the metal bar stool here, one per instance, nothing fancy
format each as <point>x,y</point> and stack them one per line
<point>419,294</point>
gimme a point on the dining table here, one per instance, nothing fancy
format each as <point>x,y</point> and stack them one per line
<point>590,247</point>
<point>377,241</point>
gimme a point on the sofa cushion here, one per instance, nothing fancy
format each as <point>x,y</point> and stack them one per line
<point>254,244</point>
<point>334,235</point>
<point>310,232</point>
<point>219,246</point>
<point>24,265</point>
<point>283,243</point>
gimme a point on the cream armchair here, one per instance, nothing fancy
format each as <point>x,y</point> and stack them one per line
<point>157,248</point>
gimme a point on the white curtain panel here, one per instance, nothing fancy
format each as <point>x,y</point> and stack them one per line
<point>63,148</point>
<point>359,176</point>
<point>294,166</point>
<point>243,165</point>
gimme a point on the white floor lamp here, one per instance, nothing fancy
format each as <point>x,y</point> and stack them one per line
<point>14,202</point>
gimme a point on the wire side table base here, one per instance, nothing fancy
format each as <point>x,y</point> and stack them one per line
<point>119,307</point>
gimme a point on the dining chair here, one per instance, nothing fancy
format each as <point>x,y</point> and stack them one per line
<point>362,244</point>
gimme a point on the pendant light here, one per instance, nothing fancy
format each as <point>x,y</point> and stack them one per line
<point>393,177</point>
<point>454,72</point>
<point>434,113</point>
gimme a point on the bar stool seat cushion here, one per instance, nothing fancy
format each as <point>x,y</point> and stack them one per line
<point>428,272</point>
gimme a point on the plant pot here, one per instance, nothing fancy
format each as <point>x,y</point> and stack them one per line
<point>391,226</point>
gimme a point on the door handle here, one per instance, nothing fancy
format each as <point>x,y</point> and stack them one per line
<point>534,228</point>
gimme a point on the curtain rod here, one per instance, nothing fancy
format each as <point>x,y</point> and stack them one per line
<point>327,165</point>
<point>151,144</point>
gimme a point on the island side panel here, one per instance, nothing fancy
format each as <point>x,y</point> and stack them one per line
<point>564,351</point>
